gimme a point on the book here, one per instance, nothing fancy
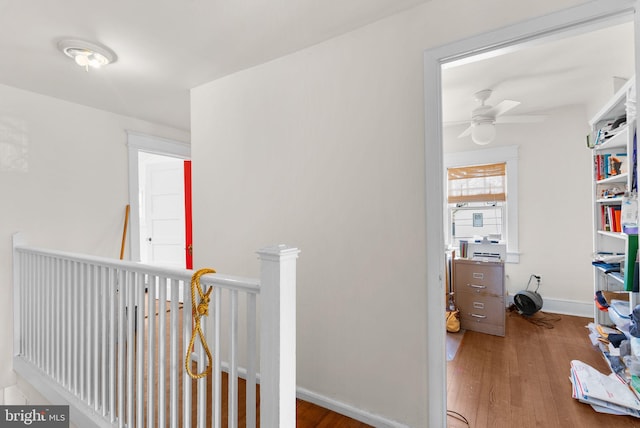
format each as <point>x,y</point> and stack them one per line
<point>617,223</point>
<point>630,261</point>
<point>617,164</point>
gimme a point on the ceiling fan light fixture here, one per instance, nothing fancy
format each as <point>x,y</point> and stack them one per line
<point>87,54</point>
<point>482,133</point>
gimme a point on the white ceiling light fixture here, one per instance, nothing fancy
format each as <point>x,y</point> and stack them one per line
<point>87,54</point>
<point>482,133</point>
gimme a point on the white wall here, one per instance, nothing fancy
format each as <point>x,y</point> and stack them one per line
<point>324,149</point>
<point>72,191</point>
<point>555,211</point>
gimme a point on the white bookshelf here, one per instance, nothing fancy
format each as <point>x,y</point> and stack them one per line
<point>607,180</point>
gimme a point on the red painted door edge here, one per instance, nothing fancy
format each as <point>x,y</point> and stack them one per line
<point>187,215</point>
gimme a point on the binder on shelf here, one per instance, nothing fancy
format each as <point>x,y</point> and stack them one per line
<point>630,261</point>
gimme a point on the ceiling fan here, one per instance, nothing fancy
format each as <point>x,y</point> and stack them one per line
<point>484,118</point>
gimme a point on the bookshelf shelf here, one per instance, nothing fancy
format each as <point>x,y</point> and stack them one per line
<point>616,235</point>
<point>616,201</point>
<point>617,141</point>
<point>620,178</point>
<point>613,140</point>
<point>617,277</point>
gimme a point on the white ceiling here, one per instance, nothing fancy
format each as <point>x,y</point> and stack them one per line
<point>166,47</point>
<point>548,75</point>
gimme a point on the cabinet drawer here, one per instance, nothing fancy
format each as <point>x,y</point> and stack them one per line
<point>481,313</point>
<point>479,277</point>
<point>481,307</point>
<point>481,326</point>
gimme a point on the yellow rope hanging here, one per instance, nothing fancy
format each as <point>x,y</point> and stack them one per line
<point>198,312</point>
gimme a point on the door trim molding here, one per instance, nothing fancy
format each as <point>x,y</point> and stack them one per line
<point>596,12</point>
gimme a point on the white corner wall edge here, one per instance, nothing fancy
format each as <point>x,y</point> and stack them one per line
<point>565,307</point>
<point>347,410</point>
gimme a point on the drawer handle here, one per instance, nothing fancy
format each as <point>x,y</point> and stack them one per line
<point>477,286</point>
<point>478,305</point>
<point>477,275</point>
<point>478,316</point>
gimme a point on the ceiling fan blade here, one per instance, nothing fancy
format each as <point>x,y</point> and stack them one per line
<point>504,107</point>
<point>465,132</point>
<point>456,122</point>
<point>521,118</point>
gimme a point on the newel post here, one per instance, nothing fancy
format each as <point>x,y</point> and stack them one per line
<point>278,336</point>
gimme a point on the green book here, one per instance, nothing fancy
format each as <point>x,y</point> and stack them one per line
<point>630,261</point>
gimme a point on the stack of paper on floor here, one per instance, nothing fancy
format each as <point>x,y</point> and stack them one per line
<point>606,394</point>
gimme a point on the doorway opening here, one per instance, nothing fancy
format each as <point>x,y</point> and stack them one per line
<point>159,194</point>
<point>572,21</point>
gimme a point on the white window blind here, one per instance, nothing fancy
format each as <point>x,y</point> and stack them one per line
<point>477,183</point>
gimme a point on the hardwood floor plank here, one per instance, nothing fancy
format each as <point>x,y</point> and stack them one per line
<point>522,380</point>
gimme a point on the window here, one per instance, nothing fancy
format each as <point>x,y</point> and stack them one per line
<point>481,189</point>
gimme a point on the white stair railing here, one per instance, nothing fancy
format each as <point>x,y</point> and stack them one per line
<point>109,338</point>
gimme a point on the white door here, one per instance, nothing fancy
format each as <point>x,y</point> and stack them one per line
<point>164,213</point>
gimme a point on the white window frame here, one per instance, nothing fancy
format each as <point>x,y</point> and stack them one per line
<point>508,154</point>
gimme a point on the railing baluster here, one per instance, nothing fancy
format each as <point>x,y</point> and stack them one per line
<point>233,363</point>
<point>96,309</point>
<point>40,304</point>
<point>33,278</point>
<point>28,312</point>
<point>112,302</point>
<point>87,352</point>
<point>216,398</point>
<point>46,324</point>
<point>251,361</point>
<point>202,383</point>
<point>162,360</point>
<point>76,326</point>
<point>130,343</point>
<point>108,346</point>
<point>202,399</point>
<point>82,326</point>
<point>173,353</point>
<point>186,338</point>
<point>140,350</point>
<point>120,391</point>
<point>59,328</point>
<point>66,320</point>
<point>151,348</point>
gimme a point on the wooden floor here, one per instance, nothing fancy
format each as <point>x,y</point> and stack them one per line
<point>522,380</point>
<point>310,415</point>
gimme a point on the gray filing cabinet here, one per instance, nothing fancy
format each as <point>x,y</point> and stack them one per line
<point>479,295</point>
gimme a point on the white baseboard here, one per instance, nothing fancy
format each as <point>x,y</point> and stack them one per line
<point>347,410</point>
<point>565,307</point>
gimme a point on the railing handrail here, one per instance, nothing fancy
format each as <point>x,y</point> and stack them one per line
<point>250,285</point>
<point>93,388</point>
